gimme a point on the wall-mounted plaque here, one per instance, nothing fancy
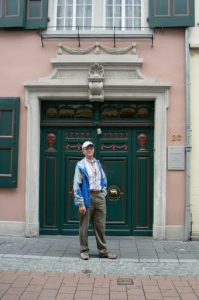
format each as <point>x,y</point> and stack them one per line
<point>176,158</point>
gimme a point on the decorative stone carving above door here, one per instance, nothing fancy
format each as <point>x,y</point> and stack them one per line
<point>97,48</point>
<point>96,83</point>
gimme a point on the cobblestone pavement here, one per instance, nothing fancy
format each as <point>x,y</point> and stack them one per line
<point>50,268</point>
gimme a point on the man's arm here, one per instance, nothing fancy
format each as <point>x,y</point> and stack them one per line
<point>79,200</point>
<point>104,180</point>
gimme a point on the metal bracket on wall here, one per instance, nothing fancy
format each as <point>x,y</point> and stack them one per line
<point>41,37</point>
<point>76,35</point>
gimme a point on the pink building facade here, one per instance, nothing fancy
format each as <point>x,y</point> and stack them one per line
<point>137,69</point>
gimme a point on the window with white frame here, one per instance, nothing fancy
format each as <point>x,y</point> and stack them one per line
<point>123,14</point>
<point>99,16</point>
<point>73,14</point>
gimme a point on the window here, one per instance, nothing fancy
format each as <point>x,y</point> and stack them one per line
<point>73,14</point>
<point>97,16</point>
<point>123,14</point>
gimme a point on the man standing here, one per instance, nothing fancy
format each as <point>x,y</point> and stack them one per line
<point>90,189</point>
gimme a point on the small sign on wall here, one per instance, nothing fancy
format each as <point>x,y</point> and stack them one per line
<point>176,158</point>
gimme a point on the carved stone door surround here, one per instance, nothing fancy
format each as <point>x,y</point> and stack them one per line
<point>121,79</point>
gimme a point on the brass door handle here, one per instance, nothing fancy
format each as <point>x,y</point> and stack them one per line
<point>114,193</point>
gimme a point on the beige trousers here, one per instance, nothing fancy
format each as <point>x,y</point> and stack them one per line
<point>96,214</point>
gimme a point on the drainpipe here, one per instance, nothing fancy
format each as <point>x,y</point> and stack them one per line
<point>187,230</point>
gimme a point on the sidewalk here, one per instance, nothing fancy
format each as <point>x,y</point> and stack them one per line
<point>136,256</point>
<point>49,267</point>
<point>47,286</point>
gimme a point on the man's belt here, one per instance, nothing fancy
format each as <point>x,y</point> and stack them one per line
<point>95,192</point>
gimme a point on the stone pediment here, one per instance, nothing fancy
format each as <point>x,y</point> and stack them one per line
<point>117,63</point>
<point>116,67</point>
<point>120,71</point>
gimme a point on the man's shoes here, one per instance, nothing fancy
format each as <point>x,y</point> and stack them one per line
<point>108,255</point>
<point>84,255</point>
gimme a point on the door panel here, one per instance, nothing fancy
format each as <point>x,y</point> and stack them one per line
<point>143,204</point>
<point>142,199</point>
<point>50,181</point>
<point>50,190</point>
<point>117,204</point>
<point>70,211</point>
<point>115,170</point>
<point>113,153</point>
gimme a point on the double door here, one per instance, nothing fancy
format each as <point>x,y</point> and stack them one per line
<point>126,154</point>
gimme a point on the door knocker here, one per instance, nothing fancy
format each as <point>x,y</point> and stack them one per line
<point>113,193</point>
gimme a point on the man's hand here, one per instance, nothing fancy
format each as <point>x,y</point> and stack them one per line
<point>82,210</point>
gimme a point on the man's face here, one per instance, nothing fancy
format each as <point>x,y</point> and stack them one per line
<point>89,152</point>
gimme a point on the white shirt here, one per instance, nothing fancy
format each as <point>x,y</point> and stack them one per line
<point>93,173</point>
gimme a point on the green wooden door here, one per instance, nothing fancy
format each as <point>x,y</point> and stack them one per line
<point>127,157</point>
<point>126,153</point>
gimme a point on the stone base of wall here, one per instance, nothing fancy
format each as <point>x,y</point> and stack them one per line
<point>12,228</point>
<point>174,232</point>
<point>195,236</point>
<point>18,228</point>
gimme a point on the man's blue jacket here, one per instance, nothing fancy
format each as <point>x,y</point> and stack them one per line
<point>81,184</point>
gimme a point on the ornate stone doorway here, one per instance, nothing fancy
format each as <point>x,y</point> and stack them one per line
<point>70,81</point>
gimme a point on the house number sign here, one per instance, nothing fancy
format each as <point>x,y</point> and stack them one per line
<point>176,158</point>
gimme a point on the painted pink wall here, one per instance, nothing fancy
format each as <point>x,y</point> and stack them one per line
<point>22,58</point>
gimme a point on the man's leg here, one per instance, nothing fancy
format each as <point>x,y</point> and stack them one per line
<point>83,231</point>
<point>99,220</point>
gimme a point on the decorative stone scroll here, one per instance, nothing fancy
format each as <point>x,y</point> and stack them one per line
<point>96,48</point>
<point>96,83</point>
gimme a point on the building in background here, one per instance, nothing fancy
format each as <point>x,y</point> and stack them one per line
<point>194,95</point>
<point>109,71</point>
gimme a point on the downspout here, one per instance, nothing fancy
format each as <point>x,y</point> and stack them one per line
<point>187,229</point>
